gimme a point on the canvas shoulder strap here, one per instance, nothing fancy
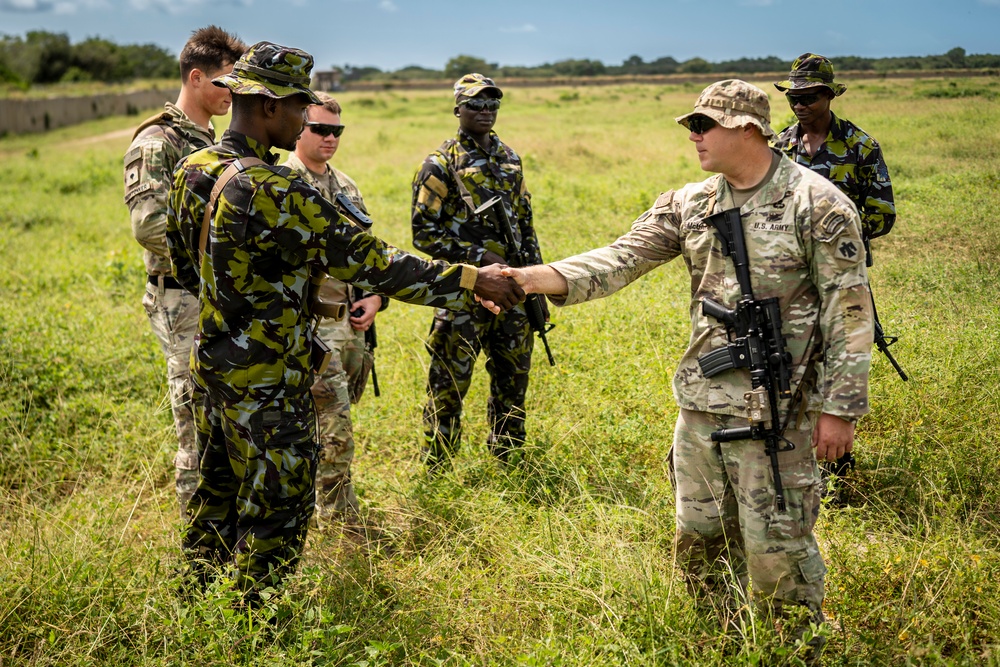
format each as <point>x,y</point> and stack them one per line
<point>237,166</point>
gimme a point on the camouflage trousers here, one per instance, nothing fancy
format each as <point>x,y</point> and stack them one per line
<point>333,394</point>
<point>454,343</point>
<point>252,507</point>
<point>173,315</point>
<point>729,529</point>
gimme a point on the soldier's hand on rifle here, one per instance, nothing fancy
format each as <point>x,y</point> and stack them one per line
<point>490,257</point>
<point>833,437</point>
<point>495,291</point>
<point>369,308</point>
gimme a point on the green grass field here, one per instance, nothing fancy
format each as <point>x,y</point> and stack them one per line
<point>568,559</point>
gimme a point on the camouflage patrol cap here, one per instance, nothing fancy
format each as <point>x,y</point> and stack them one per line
<point>471,85</point>
<point>733,103</point>
<point>808,71</point>
<point>272,70</point>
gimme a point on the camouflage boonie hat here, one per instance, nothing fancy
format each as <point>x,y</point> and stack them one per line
<point>272,70</point>
<point>471,85</point>
<point>808,71</point>
<point>733,103</point>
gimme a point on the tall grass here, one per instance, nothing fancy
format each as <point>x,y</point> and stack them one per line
<point>567,559</point>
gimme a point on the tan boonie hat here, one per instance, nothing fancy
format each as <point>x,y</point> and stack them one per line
<point>808,71</point>
<point>272,70</point>
<point>471,85</point>
<point>733,103</point>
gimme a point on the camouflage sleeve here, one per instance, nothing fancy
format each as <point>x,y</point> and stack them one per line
<point>653,240</point>
<point>878,210</point>
<point>148,168</point>
<point>837,269</point>
<point>433,208</point>
<point>309,223</point>
<point>526,219</point>
<point>183,230</point>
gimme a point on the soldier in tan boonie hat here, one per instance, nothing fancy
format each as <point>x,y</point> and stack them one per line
<point>809,71</point>
<point>471,85</point>
<point>733,104</point>
<point>272,70</point>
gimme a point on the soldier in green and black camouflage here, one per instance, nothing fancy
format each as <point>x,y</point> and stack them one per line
<point>833,147</point>
<point>803,240</point>
<point>838,150</point>
<point>158,145</point>
<point>452,182</point>
<point>343,381</point>
<point>268,233</point>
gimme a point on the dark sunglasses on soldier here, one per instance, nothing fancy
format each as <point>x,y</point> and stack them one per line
<point>478,104</point>
<point>325,129</point>
<point>804,100</point>
<point>700,124</point>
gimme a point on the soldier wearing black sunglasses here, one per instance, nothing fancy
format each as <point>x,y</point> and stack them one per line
<point>461,175</point>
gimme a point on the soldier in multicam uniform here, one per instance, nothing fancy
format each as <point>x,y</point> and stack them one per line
<point>838,150</point>
<point>804,243</point>
<point>157,145</point>
<point>343,382</point>
<point>453,181</point>
<point>267,235</point>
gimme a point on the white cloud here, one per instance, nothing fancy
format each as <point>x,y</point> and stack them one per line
<point>74,6</point>
<point>180,6</point>
<point>387,6</point>
<point>527,27</point>
<point>26,5</point>
<point>758,3</point>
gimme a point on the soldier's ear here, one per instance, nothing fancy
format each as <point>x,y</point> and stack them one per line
<point>456,111</point>
<point>270,106</point>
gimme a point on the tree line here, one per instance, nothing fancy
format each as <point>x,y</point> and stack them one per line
<point>634,65</point>
<point>42,57</point>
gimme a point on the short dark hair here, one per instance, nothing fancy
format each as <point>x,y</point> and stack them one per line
<point>210,49</point>
<point>328,103</point>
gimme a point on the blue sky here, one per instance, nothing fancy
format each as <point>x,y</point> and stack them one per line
<point>390,34</point>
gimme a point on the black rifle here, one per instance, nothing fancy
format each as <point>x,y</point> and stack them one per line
<point>354,215</point>
<point>494,213</point>
<point>758,345</point>
<point>882,342</point>
<point>371,342</point>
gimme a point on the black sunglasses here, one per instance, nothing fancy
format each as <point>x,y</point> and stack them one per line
<point>325,129</point>
<point>804,100</point>
<point>700,124</point>
<point>479,103</point>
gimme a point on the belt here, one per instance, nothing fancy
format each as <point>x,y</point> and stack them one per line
<point>169,282</point>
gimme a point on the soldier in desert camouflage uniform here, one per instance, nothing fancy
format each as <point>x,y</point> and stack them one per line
<point>269,233</point>
<point>804,243</point>
<point>157,145</point>
<point>838,150</point>
<point>453,181</point>
<point>343,382</point>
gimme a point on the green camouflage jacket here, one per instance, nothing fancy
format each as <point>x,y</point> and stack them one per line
<point>270,232</point>
<point>157,147</point>
<point>443,225</point>
<point>804,241</point>
<point>852,160</point>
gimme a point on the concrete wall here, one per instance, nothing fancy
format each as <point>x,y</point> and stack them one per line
<point>39,115</point>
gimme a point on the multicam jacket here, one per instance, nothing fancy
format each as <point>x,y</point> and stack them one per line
<point>158,145</point>
<point>804,241</point>
<point>330,185</point>
<point>852,160</point>
<point>443,224</point>
<point>269,232</point>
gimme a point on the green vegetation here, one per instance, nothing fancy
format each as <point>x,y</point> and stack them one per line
<point>42,57</point>
<point>567,559</point>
